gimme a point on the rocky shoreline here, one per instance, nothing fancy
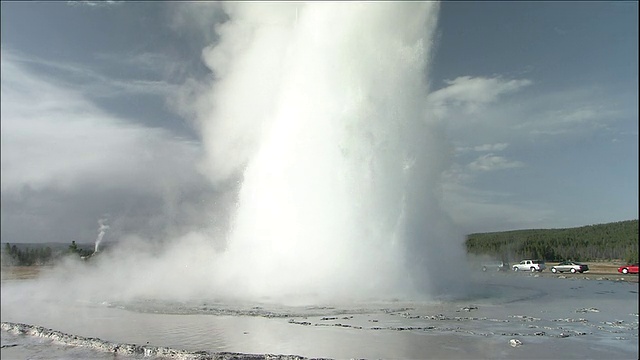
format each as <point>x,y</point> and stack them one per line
<point>132,350</point>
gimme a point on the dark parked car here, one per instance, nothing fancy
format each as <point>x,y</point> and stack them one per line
<point>571,266</point>
<point>495,266</point>
<point>629,269</point>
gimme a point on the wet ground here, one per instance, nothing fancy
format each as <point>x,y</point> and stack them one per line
<point>507,315</point>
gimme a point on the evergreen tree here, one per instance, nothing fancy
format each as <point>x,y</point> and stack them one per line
<point>73,248</point>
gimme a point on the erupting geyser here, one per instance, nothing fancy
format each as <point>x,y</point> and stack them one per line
<point>102,229</point>
<point>320,110</point>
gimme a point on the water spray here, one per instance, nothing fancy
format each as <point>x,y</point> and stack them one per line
<point>340,183</point>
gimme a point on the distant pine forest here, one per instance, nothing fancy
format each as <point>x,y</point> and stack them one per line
<point>42,254</point>
<point>612,241</point>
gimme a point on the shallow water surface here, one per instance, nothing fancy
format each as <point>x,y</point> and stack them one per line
<point>549,316</point>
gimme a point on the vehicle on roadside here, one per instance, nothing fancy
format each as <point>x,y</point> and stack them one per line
<point>570,266</point>
<point>495,266</point>
<point>530,265</point>
<point>629,269</point>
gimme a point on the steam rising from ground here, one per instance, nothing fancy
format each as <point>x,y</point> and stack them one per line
<point>318,112</point>
<point>102,229</point>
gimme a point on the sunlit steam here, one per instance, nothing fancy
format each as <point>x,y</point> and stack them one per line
<point>321,109</point>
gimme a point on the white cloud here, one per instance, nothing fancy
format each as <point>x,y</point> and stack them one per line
<point>491,162</point>
<point>53,137</point>
<point>487,115</point>
<point>491,147</point>
<point>495,110</point>
<point>66,161</point>
<point>578,118</point>
<point>468,94</point>
<point>91,83</point>
<point>483,148</point>
<point>94,3</point>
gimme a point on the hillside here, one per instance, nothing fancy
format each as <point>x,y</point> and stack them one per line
<point>617,240</point>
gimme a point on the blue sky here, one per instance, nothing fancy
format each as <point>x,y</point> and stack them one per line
<point>538,101</point>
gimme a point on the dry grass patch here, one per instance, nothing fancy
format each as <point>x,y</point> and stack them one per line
<point>21,272</point>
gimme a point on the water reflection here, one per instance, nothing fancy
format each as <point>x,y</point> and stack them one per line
<point>533,310</point>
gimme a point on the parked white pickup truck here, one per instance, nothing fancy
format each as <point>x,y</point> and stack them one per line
<point>530,265</point>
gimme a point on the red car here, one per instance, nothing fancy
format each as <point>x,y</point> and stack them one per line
<point>629,269</point>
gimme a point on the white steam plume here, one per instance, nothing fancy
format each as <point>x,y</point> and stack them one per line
<point>320,107</point>
<point>102,229</point>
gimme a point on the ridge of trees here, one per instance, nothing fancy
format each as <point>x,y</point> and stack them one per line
<point>28,256</point>
<point>38,255</point>
<point>610,241</point>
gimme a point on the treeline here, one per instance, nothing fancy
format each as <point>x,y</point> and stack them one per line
<point>28,256</point>
<point>617,240</point>
<point>38,255</point>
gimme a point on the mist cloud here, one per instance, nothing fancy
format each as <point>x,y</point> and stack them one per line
<point>57,144</point>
